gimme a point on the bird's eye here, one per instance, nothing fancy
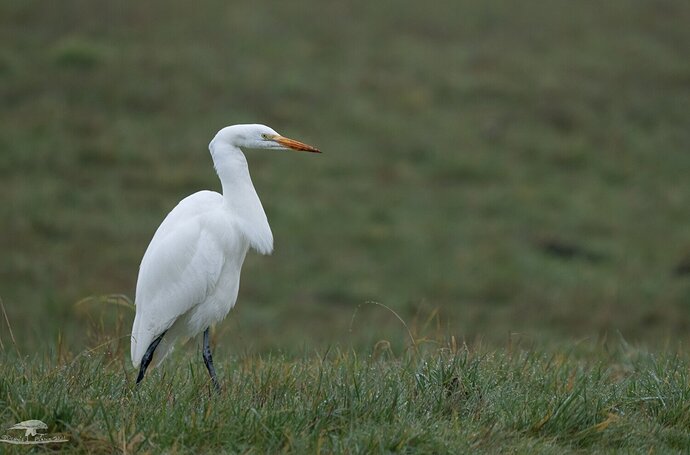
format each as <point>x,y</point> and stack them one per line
<point>265,136</point>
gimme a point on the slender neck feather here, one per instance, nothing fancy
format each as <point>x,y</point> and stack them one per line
<point>240,196</point>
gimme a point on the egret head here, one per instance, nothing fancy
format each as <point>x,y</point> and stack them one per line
<point>255,136</point>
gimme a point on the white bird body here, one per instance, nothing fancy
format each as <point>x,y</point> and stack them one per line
<point>190,274</point>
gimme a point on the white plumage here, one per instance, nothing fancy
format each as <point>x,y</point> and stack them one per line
<point>190,274</point>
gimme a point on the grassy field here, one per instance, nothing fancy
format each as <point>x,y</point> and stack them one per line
<point>491,172</point>
<point>584,398</point>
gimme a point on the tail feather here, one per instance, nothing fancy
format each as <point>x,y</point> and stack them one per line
<point>139,342</point>
<point>142,339</point>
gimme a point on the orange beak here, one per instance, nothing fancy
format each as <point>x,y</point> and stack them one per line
<point>295,145</point>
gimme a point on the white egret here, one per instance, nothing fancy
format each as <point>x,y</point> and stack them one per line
<point>190,274</point>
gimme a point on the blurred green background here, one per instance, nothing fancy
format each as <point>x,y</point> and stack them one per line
<point>489,168</point>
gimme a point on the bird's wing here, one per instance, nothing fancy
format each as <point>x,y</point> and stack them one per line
<point>180,268</point>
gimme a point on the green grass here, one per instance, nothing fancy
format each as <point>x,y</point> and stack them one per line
<point>491,172</point>
<point>458,140</point>
<point>446,399</point>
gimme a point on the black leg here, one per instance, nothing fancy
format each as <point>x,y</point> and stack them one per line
<point>208,360</point>
<point>148,356</point>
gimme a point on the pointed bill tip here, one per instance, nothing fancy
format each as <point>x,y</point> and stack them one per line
<point>295,145</point>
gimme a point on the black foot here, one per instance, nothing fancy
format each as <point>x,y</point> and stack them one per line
<point>208,360</point>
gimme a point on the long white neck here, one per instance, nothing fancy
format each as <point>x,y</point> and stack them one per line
<point>240,196</point>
